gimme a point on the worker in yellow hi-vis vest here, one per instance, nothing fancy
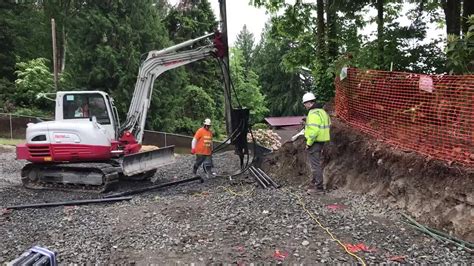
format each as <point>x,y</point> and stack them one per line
<point>317,134</point>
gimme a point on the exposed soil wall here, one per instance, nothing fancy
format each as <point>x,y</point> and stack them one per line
<point>433,192</point>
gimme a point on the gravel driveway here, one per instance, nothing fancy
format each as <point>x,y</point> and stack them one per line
<point>218,221</point>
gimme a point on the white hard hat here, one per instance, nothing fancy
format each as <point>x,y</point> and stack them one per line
<point>207,122</point>
<point>309,96</point>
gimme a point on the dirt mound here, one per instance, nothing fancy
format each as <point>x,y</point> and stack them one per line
<point>288,164</point>
<point>433,192</point>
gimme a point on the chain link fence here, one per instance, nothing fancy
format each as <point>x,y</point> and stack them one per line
<point>14,126</point>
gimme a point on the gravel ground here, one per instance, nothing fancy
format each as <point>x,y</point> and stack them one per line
<point>218,221</point>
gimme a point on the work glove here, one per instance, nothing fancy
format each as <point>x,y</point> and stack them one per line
<point>297,135</point>
<point>193,151</point>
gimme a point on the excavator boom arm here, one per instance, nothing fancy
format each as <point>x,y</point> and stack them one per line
<point>155,64</point>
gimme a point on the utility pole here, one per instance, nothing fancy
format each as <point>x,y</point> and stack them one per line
<point>55,60</point>
<point>227,89</point>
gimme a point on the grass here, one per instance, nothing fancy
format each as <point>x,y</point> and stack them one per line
<point>8,141</point>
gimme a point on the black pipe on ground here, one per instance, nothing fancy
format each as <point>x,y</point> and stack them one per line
<point>274,184</point>
<point>263,178</point>
<point>66,203</point>
<point>140,190</point>
<point>258,178</point>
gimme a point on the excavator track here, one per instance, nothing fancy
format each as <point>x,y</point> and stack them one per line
<point>79,177</point>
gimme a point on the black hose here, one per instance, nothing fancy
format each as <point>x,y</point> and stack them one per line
<point>140,190</point>
<point>67,203</point>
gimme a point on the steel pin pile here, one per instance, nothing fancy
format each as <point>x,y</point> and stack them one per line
<point>262,178</point>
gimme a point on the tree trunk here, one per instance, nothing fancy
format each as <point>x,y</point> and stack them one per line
<point>452,12</point>
<point>332,29</point>
<point>321,36</point>
<point>467,10</point>
<point>380,37</point>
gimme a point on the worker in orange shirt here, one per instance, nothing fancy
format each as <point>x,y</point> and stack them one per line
<point>202,147</point>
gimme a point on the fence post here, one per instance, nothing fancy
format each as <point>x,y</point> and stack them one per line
<point>11,127</point>
<point>165,140</point>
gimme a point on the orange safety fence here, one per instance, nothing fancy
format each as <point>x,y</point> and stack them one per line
<point>430,114</point>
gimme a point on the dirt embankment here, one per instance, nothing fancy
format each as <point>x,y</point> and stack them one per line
<point>434,193</point>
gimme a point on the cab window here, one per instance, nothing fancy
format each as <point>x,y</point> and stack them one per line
<point>77,106</point>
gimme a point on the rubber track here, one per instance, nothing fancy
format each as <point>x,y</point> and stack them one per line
<point>110,171</point>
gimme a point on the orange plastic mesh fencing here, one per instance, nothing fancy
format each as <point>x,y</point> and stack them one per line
<point>430,114</point>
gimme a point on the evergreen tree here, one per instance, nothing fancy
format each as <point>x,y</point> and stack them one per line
<point>245,43</point>
<point>247,87</point>
<point>189,20</point>
<point>282,88</point>
<point>107,41</point>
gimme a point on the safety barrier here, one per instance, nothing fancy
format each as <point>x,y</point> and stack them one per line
<point>430,114</point>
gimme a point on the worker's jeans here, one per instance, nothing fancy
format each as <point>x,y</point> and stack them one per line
<point>314,160</point>
<point>205,160</point>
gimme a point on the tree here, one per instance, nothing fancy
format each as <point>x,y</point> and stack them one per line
<point>460,52</point>
<point>380,36</point>
<point>22,38</point>
<point>34,78</point>
<point>61,11</point>
<point>199,105</point>
<point>281,87</point>
<point>321,35</point>
<point>245,43</point>
<point>332,36</point>
<point>106,41</point>
<point>247,87</point>
<point>467,11</point>
<point>189,20</point>
<point>452,11</point>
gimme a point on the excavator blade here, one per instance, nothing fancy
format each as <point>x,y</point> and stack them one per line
<point>145,161</point>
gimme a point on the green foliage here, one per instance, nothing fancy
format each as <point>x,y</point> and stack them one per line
<point>245,43</point>
<point>34,77</point>
<point>197,105</point>
<point>23,36</point>
<point>247,87</point>
<point>460,52</point>
<point>282,88</point>
<point>106,41</point>
<point>257,126</point>
<point>35,112</point>
<point>189,20</point>
<point>102,43</point>
<point>6,89</point>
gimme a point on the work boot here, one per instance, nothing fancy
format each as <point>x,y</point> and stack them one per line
<point>314,190</point>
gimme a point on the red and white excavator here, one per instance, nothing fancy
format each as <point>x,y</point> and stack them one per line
<point>86,147</point>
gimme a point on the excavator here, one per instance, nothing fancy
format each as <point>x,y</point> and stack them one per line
<point>87,148</point>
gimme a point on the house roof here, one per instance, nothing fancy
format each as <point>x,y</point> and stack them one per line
<point>284,121</point>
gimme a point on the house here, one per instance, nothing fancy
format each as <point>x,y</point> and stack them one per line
<point>285,126</point>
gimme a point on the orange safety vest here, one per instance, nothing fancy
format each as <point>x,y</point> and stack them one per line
<point>204,141</point>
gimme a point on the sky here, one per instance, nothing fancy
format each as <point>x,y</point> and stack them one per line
<point>240,13</point>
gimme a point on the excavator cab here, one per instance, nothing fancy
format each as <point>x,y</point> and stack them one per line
<point>95,106</point>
